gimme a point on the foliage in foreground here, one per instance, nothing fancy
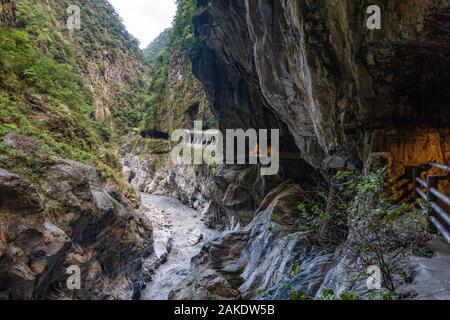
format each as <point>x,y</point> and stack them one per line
<point>356,214</point>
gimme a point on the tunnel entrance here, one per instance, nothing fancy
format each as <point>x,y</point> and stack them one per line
<point>155,134</point>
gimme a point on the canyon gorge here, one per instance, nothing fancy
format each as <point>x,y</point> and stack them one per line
<point>87,179</point>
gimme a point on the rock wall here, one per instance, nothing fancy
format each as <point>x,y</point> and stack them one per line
<point>316,71</point>
<point>75,217</point>
<point>226,195</point>
<point>340,95</point>
<point>184,99</point>
<point>56,212</point>
<point>148,167</point>
<point>246,263</point>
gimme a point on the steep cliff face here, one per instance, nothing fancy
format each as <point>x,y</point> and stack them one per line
<point>108,57</point>
<point>175,96</point>
<point>175,100</point>
<point>343,96</point>
<point>57,81</point>
<point>101,50</point>
<point>184,98</point>
<point>318,73</point>
<point>63,202</point>
<point>100,233</point>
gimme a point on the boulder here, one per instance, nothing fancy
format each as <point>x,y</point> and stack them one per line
<point>244,263</point>
<point>85,222</point>
<point>17,195</point>
<point>21,142</point>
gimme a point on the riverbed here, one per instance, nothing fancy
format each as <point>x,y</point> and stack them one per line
<point>179,234</point>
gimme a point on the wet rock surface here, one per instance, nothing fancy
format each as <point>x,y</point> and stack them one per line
<point>432,279</point>
<point>17,195</point>
<point>339,94</point>
<point>334,90</point>
<point>250,262</point>
<point>30,249</point>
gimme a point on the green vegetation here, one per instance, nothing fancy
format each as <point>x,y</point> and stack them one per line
<point>173,89</point>
<point>328,294</point>
<point>358,204</point>
<point>110,58</point>
<point>101,27</point>
<point>294,295</point>
<point>287,287</point>
<point>156,46</point>
<point>159,54</point>
<point>27,68</point>
<point>44,91</point>
<point>295,270</point>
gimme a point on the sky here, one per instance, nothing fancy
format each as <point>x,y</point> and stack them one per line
<point>145,19</point>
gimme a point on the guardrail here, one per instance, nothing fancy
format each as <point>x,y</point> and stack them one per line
<point>428,189</point>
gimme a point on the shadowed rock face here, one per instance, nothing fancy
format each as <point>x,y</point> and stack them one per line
<point>17,195</point>
<point>315,71</point>
<point>339,93</point>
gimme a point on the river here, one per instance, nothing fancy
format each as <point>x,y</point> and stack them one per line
<point>179,233</point>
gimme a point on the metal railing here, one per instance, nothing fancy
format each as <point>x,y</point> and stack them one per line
<point>428,189</point>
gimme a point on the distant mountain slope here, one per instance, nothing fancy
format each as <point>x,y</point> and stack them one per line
<point>57,85</point>
<point>157,45</point>
<point>175,97</point>
<point>110,60</point>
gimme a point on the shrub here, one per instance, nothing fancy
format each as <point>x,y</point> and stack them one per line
<point>358,206</point>
<point>8,128</point>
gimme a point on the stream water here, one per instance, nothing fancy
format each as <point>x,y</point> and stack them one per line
<point>178,233</point>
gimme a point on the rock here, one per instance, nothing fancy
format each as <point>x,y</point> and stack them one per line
<point>17,195</point>
<point>195,237</point>
<point>329,88</point>
<point>185,232</point>
<point>307,71</point>
<point>209,285</point>
<point>378,161</point>
<point>99,232</point>
<point>163,244</point>
<point>137,170</point>
<point>314,264</point>
<point>183,272</point>
<point>103,201</point>
<point>31,250</point>
<point>24,143</point>
<point>334,162</point>
<point>3,243</point>
<point>156,174</point>
<point>245,262</point>
<point>55,231</point>
<point>431,280</point>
